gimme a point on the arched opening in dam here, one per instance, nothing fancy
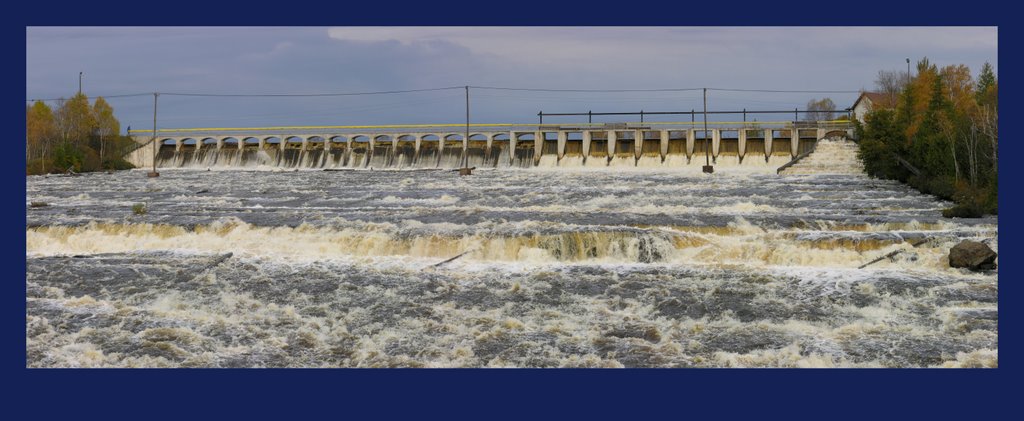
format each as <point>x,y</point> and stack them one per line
<point>525,150</point>
<point>477,152</point>
<point>702,146</point>
<point>501,151</point>
<point>359,156</point>
<point>337,152</point>
<point>808,137</point>
<point>650,149</point>
<point>572,155</point>
<point>597,154</point>
<point>549,150</point>
<point>429,153</point>
<point>451,152</point>
<point>754,149</point>
<point>625,149</point>
<point>383,152</point>
<point>405,151</point>
<point>728,148</point>
<point>290,152</point>
<point>675,155</point>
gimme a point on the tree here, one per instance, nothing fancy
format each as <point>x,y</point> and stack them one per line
<point>105,123</point>
<point>820,110</point>
<point>39,132</point>
<point>959,88</point>
<point>986,86</point>
<point>74,119</point>
<point>941,136</point>
<point>891,83</point>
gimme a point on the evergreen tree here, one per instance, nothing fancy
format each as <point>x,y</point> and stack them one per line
<point>986,86</point>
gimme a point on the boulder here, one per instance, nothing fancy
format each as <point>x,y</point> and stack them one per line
<point>972,255</point>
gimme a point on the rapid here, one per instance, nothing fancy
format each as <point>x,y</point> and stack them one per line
<point>645,266</point>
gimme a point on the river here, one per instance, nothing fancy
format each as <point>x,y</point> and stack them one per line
<point>590,267</point>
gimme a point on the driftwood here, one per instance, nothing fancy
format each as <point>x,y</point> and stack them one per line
<point>893,254</point>
<point>213,263</point>
<point>217,261</point>
<point>449,260</point>
<point>797,159</point>
<point>907,165</point>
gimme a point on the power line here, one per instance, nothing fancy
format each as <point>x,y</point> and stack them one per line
<point>312,95</point>
<point>503,88</point>
<point>783,91</point>
<point>99,96</point>
<point>500,88</point>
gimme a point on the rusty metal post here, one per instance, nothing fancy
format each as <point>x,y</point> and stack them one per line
<point>707,149</point>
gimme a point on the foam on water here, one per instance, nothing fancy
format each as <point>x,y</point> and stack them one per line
<point>555,267</point>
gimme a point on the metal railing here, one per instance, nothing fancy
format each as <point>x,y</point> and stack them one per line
<point>693,113</point>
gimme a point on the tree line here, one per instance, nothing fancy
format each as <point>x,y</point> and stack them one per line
<point>74,136</point>
<point>940,135</point>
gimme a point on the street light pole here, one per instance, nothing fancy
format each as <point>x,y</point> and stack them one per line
<point>465,170</point>
<point>156,146</point>
<point>79,83</point>
<point>908,72</point>
<point>707,148</point>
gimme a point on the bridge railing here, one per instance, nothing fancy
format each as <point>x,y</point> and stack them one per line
<point>479,127</point>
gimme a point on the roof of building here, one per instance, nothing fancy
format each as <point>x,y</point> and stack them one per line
<point>877,99</point>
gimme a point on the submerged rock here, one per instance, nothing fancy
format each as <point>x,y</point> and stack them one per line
<point>972,255</point>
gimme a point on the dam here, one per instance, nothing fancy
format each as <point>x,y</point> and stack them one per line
<point>657,145</point>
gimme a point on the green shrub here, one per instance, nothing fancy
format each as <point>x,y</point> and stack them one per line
<point>139,209</point>
<point>117,164</point>
<point>66,157</point>
<point>964,210</point>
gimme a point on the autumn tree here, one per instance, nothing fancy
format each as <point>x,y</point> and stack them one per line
<point>941,136</point>
<point>105,124</point>
<point>820,110</point>
<point>40,131</point>
<point>74,119</point>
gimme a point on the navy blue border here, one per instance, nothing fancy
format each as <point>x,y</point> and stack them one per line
<point>912,394</point>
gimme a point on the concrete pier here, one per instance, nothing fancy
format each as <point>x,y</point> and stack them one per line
<point>584,139</point>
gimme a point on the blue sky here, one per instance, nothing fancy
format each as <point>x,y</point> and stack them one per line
<point>241,60</point>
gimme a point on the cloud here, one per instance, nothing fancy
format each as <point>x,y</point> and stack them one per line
<point>120,60</point>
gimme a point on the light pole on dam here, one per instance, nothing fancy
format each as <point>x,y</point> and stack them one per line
<point>708,168</point>
<point>156,147</point>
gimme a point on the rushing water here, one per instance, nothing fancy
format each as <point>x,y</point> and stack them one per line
<point>557,268</point>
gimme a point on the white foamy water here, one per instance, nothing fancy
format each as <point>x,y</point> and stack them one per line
<point>830,156</point>
<point>554,267</point>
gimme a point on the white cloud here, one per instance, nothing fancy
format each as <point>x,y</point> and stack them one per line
<point>651,43</point>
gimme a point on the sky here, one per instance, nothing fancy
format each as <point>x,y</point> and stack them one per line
<point>319,60</point>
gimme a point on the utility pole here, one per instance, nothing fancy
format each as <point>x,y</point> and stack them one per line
<point>156,146</point>
<point>465,170</point>
<point>707,148</point>
<point>79,83</point>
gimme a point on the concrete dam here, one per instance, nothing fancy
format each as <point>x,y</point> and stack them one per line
<point>746,145</point>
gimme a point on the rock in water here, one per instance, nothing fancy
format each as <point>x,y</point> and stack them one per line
<point>972,255</point>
